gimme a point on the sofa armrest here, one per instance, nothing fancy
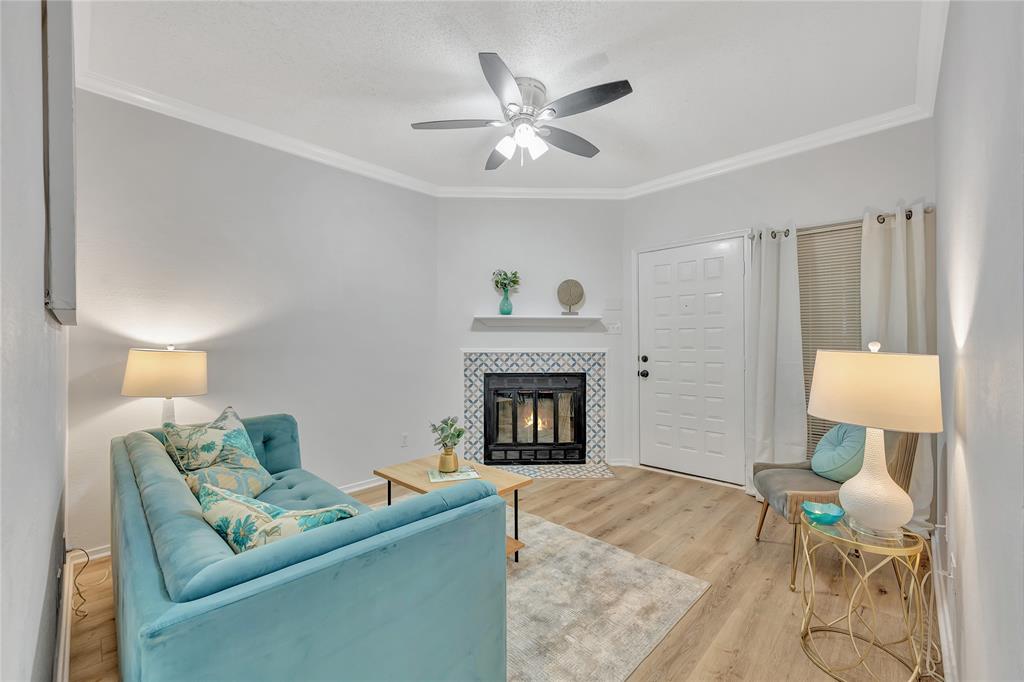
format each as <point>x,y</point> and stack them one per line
<point>424,600</point>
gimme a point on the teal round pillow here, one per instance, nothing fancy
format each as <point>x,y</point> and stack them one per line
<point>840,453</point>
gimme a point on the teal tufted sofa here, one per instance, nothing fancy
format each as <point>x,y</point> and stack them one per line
<point>412,591</point>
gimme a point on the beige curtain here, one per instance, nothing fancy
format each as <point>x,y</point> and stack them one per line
<point>776,428</point>
<point>895,301</point>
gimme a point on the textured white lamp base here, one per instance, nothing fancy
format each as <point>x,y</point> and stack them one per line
<point>873,502</point>
<point>167,415</point>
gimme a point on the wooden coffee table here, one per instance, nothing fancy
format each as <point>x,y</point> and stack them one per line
<point>413,475</point>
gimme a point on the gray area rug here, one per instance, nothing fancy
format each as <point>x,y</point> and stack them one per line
<point>581,609</point>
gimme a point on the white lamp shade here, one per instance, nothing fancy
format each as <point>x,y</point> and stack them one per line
<point>893,391</point>
<point>153,373</point>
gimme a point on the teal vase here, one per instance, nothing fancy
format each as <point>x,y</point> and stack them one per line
<point>506,305</point>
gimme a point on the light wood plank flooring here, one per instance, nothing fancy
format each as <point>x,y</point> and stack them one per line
<point>746,627</point>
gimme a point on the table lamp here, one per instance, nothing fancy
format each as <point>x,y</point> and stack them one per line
<point>156,373</point>
<point>879,391</point>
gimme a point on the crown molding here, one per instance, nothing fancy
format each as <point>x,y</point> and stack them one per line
<point>601,193</point>
<point>824,138</point>
<point>931,36</point>
<point>168,106</point>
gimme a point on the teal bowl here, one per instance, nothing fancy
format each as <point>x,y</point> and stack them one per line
<point>825,514</point>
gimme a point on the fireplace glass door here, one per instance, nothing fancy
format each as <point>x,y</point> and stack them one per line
<point>534,418</point>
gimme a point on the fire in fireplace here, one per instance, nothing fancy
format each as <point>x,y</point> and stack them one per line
<point>535,418</point>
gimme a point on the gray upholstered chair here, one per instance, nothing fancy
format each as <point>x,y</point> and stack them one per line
<point>785,487</point>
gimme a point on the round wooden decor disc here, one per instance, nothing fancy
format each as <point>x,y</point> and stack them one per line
<point>570,293</point>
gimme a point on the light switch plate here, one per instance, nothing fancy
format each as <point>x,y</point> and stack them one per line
<point>613,327</point>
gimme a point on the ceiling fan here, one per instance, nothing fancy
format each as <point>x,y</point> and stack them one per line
<point>525,108</point>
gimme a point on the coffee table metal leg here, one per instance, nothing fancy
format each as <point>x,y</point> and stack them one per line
<point>389,493</point>
<point>515,498</point>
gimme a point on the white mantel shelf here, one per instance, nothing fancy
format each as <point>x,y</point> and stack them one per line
<point>536,321</point>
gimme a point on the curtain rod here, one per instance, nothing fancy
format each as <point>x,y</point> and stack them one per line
<point>859,221</point>
<point>910,214</point>
<point>853,222</point>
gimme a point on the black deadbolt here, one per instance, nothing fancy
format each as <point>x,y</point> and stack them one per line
<point>643,358</point>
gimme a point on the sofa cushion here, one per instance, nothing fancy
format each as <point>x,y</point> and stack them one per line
<point>185,544</point>
<point>274,437</point>
<point>264,560</point>
<point>236,518</point>
<point>233,466</point>
<point>193,446</point>
<point>245,477</point>
<point>299,489</point>
<point>245,522</point>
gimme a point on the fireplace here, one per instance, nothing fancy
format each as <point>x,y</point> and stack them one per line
<point>535,418</point>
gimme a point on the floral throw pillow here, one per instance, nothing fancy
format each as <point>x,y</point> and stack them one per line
<point>245,522</point>
<point>219,454</point>
<point>193,447</point>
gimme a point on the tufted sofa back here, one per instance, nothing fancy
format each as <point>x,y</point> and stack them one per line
<point>275,437</point>
<point>194,562</point>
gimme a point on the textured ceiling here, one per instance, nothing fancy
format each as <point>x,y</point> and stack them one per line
<point>711,80</point>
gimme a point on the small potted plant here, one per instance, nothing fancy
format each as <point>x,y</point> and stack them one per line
<point>447,434</point>
<point>504,281</point>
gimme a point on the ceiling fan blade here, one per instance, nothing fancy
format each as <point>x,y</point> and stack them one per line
<point>461,123</point>
<point>570,142</point>
<point>494,160</point>
<point>586,99</point>
<point>500,79</point>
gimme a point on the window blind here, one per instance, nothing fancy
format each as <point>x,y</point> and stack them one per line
<point>828,260</point>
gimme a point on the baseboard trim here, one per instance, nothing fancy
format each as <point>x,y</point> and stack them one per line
<point>701,479</point>
<point>63,667</point>
<point>940,585</point>
<point>94,554</point>
<point>360,485</point>
<point>620,462</point>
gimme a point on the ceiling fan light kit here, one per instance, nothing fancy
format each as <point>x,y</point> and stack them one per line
<point>526,109</point>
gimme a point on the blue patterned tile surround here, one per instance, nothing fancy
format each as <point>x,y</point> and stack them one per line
<point>476,363</point>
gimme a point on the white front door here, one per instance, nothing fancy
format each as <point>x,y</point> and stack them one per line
<point>691,348</point>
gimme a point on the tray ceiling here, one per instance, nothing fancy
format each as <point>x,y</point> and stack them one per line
<point>716,85</point>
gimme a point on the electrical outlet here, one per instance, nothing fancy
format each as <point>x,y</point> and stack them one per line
<point>405,440</point>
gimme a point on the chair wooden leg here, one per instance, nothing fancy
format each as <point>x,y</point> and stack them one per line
<point>796,554</point>
<point>760,521</point>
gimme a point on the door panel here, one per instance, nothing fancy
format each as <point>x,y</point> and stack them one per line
<point>691,330</point>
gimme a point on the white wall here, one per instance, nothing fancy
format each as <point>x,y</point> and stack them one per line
<point>312,289</point>
<point>192,237</point>
<point>33,388</point>
<point>980,178</point>
<point>548,241</point>
<point>822,186</point>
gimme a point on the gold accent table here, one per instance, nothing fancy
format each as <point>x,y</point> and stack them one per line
<point>413,475</point>
<point>861,557</point>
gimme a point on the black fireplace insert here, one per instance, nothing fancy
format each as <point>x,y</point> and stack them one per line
<point>535,418</point>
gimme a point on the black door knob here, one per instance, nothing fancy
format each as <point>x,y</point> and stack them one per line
<point>643,358</point>
<point>644,373</point>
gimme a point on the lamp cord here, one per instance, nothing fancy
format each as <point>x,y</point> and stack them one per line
<point>79,608</point>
